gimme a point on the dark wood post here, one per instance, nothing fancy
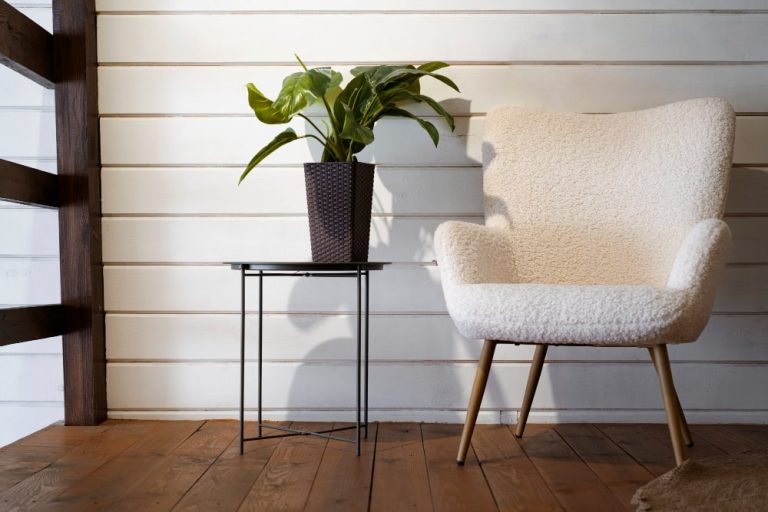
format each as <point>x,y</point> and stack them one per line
<point>77,138</point>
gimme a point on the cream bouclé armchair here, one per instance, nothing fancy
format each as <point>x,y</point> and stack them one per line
<point>601,230</point>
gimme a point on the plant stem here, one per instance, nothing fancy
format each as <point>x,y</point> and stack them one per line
<point>307,119</point>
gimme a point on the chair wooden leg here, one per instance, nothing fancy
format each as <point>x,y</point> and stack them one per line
<point>671,405</point>
<point>687,437</point>
<point>530,388</point>
<point>478,389</point>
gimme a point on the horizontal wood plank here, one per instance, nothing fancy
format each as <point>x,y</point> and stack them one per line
<point>16,386</point>
<point>212,337</point>
<point>32,232</point>
<point>220,90</point>
<point>424,5</point>
<point>26,185</point>
<point>212,141</point>
<point>484,38</point>
<point>398,288</point>
<point>30,323</point>
<point>25,281</point>
<point>326,387</point>
<point>280,191</point>
<point>25,46</point>
<point>398,239</point>
<point>27,135</point>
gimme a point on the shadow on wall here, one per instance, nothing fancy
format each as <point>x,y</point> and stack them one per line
<point>406,383</point>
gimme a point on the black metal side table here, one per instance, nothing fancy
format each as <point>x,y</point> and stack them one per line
<point>360,270</point>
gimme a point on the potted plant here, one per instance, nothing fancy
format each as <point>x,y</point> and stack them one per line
<point>339,188</point>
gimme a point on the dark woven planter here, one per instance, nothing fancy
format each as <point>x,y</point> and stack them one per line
<point>339,196</point>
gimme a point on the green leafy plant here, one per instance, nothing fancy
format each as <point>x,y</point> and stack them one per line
<point>373,92</point>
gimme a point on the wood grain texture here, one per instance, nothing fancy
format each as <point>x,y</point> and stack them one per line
<point>617,470</point>
<point>30,323</point>
<point>25,185</point>
<point>454,487</point>
<point>401,465</point>
<point>514,480</point>
<point>77,138</point>
<point>343,480</point>
<point>286,480</point>
<point>653,454</point>
<point>574,485</point>
<point>25,46</point>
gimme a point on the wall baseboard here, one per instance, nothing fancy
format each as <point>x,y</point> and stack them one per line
<point>455,416</point>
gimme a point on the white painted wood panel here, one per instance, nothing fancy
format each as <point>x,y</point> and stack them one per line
<point>27,133</point>
<point>29,232</point>
<point>19,91</point>
<point>421,5</point>
<point>21,419</point>
<point>397,239</point>
<point>212,141</point>
<point>407,288</point>
<point>216,337</point>
<point>280,191</point>
<point>16,384</point>
<point>177,130</point>
<point>411,385</point>
<point>26,281</point>
<point>583,88</point>
<point>422,37</point>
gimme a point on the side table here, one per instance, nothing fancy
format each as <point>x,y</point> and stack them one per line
<point>262,269</point>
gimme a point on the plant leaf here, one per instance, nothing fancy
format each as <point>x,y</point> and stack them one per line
<point>262,107</point>
<point>437,107</point>
<point>304,88</point>
<point>428,127</point>
<point>433,66</point>
<point>353,130</point>
<point>419,73</point>
<point>280,140</point>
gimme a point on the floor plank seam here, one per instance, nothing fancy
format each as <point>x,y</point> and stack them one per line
<point>485,477</point>
<point>373,463</point>
<point>536,467</point>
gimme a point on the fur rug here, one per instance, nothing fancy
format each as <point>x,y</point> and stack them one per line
<point>723,483</point>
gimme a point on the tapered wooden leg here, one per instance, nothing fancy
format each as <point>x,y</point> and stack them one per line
<point>670,403</point>
<point>530,388</point>
<point>478,389</point>
<point>683,423</point>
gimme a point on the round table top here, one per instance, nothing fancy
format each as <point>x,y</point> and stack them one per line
<point>307,266</point>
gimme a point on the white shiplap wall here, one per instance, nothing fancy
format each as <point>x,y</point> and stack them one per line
<point>31,379</point>
<point>176,130</point>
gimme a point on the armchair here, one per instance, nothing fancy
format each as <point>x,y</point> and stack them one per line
<point>600,230</point>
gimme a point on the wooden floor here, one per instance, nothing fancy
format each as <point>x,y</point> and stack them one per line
<point>195,465</point>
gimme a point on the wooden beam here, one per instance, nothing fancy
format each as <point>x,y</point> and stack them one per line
<point>25,46</point>
<point>22,184</point>
<point>30,323</point>
<point>77,141</point>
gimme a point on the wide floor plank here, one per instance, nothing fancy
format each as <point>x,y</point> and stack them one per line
<point>724,438</point>
<point>226,483</point>
<point>514,480</point>
<point>164,485</point>
<point>401,466</point>
<point>287,478</point>
<point>617,470</point>
<point>108,484</point>
<point>343,480</point>
<point>573,483</point>
<point>645,448</point>
<point>701,447</point>
<point>454,487</point>
<point>73,467</point>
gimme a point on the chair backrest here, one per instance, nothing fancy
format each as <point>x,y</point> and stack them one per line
<point>604,198</point>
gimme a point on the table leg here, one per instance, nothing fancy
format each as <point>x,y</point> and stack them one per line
<point>242,356</point>
<point>261,295</point>
<point>359,340</point>
<point>365,400</point>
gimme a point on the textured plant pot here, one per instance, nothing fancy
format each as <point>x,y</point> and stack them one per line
<point>339,197</point>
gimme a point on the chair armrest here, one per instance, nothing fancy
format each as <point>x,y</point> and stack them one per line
<point>701,257</point>
<point>697,269</point>
<point>473,253</point>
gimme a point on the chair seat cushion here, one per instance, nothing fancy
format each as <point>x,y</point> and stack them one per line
<point>568,314</point>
